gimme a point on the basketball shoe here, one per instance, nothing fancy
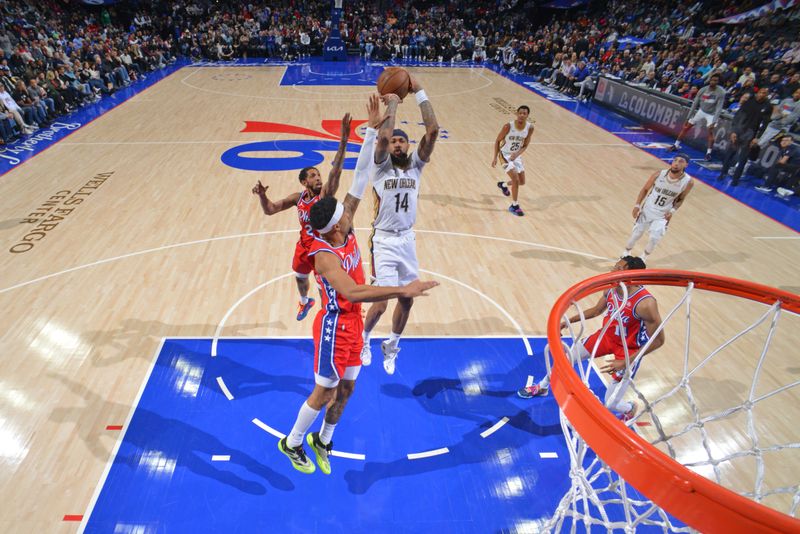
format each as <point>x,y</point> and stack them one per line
<point>321,451</point>
<point>503,188</point>
<point>389,357</point>
<point>528,392</point>
<point>298,457</point>
<point>303,309</point>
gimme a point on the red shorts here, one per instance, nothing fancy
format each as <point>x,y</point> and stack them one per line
<point>338,345</point>
<point>301,263</point>
<point>608,345</point>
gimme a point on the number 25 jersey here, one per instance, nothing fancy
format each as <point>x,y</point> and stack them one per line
<point>396,191</point>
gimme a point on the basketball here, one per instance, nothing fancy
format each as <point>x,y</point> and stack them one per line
<point>394,80</point>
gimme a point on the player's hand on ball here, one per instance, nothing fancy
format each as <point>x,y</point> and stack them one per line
<point>391,97</point>
<point>259,189</point>
<point>418,288</point>
<point>413,84</point>
<point>611,366</point>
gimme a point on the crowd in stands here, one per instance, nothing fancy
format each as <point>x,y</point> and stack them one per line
<point>57,55</point>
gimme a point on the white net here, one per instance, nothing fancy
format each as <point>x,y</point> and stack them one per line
<point>727,409</point>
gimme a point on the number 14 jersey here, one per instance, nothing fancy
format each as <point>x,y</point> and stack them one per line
<point>396,191</point>
<point>661,198</point>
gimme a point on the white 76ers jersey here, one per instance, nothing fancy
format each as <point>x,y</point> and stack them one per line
<point>396,191</point>
<point>515,138</point>
<point>661,198</point>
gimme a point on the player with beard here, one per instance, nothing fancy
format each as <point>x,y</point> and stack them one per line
<point>315,189</point>
<point>662,194</point>
<point>395,186</point>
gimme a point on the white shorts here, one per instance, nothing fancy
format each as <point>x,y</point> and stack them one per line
<point>702,116</point>
<point>394,258</point>
<point>656,225</point>
<point>514,165</point>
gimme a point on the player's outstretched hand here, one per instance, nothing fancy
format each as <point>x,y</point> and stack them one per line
<point>375,120</point>
<point>417,288</point>
<point>345,127</point>
<point>259,189</point>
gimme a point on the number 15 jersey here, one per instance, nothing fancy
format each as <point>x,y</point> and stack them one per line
<point>661,198</point>
<point>396,191</point>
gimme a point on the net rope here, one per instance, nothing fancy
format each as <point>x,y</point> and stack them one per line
<point>599,497</point>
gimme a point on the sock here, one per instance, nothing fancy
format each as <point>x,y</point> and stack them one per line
<point>305,418</point>
<point>326,432</point>
<point>303,300</point>
<point>677,143</point>
<point>394,340</point>
<point>644,255</point>
<point>545,382</point>
<point>624,407</point>
<point>708,151</point>
<point>626,253</point>
<point>366,335</point>
<point>515,204</point>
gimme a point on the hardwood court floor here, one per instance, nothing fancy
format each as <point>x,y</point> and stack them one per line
<point>166,239</point>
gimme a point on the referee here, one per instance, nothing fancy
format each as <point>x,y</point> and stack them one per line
<point>748,122</point>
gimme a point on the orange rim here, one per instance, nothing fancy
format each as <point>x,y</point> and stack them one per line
<point>692,498</point>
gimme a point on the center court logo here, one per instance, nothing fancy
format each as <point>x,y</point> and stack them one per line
<point>271,155</point>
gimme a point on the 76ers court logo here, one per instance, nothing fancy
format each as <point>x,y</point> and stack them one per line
<point>272,155</point>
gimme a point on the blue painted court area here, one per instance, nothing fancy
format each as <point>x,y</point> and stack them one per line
<point>445,394</point>
<point>354,72</point>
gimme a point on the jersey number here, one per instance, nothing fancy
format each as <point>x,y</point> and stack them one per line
<point>661,200</point>
<point>514,146</point>
<point>398,203</point>
<point>309,230</point>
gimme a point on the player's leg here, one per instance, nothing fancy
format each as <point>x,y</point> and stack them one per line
<point>514,182</point>
<point>521,181</point>
<point>384,273</point>
<point>615,391</point>
<point>407,270</point>
<point>347,360</point>
<point>639,228</point>
<point>302,268</point>
<point>710,141</point>
<point>502,184</point>
<point>657,230</point>
<point>686,127</point>
<point>326,381</point>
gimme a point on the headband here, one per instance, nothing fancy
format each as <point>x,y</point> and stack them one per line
<point>337,214</point>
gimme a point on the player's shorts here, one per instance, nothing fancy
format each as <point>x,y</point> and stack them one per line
<point>514,165</point>
<point>337,347</point>
<point>301,263</point>
<point>608,344</point>
<point>394,258</point>
<point>702,116</point>
<point>656,224</point>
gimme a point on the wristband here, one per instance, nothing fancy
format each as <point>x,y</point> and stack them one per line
<point>421,96</point>
<point>638,206</point>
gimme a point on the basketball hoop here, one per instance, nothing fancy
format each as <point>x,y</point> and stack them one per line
<point>619,480</point>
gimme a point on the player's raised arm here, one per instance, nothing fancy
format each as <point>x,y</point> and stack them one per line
<point>365,164</point>
<point>425,148</point>
<point>385,133</point>
<point>329,188</point>
<point>329,267</point>
<point>590,313</point>
<point>269,207</point>
<point>502,135</point>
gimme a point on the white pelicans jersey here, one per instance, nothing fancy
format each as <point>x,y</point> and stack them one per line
<point>514,138</point>
<point>662,197</point>
<point>396,192</point>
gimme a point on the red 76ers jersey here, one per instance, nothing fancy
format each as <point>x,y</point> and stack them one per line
<point>635,332</point>
<point>307,233</point>
<point>349,256</point>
